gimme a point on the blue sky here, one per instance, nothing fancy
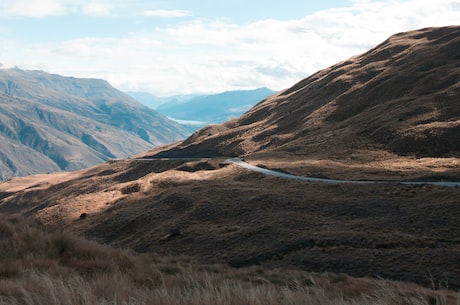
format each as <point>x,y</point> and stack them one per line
<point>202,46</point>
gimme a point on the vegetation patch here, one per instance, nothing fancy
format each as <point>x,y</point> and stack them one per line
<point>44,267</point>
<point>131,188</point>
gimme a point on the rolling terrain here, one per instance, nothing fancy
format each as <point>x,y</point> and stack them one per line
<point>392,113</point>
<point>50,123</point>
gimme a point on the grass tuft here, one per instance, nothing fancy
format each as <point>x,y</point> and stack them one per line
<point>53,268</point>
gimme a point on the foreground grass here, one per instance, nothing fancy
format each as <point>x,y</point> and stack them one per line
<point>39,267</point>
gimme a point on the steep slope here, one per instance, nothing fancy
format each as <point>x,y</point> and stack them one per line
<point>401,97</point>
<point>50,122</point>
<point>215,108</point>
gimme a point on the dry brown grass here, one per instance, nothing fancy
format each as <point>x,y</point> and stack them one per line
<point>40,267</point>
<point>231,216</point>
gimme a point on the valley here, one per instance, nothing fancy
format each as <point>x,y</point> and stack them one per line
<point>196,111</point>
<point>383,126</point>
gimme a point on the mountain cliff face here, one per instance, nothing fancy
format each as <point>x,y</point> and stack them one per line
<point>50,123</point>
<point>401,97</point>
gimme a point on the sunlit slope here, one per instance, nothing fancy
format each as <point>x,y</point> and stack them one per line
<point>401,97</point>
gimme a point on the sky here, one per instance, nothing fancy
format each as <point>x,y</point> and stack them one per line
<point>169,47</point>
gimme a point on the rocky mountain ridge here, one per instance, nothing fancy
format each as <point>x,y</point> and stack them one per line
<point>50,123</point>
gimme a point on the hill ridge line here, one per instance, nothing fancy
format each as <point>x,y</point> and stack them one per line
<point>241,163</point>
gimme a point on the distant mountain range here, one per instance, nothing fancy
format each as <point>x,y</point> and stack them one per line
<point>200,110</point>
<point>51,123</point>
<point>153,101</point>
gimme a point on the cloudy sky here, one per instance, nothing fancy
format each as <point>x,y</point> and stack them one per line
<point>171,47</point>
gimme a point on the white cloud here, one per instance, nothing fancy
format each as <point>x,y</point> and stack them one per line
<point>46,8</point>
<point>167,13</point>
<point>97,8</point>
<point>26,8</point>
<point>216,55</point>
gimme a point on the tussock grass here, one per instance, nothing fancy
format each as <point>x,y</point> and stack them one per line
<point>39,267</point>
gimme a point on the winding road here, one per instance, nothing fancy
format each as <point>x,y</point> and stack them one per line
<point>241,163</point>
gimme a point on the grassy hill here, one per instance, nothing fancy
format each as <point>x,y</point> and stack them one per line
<point>402,97</point>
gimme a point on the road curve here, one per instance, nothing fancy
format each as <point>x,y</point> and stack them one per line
<point>241,163</point>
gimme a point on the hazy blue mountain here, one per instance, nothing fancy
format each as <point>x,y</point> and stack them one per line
<point>49,122</point>
<point>146,98</point>
<point>154,101</point>
<point>216,108</point>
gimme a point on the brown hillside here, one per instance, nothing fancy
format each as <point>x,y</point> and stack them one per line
<point>401,97</point>
<point>224,214</point>
<point>326,125</point>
